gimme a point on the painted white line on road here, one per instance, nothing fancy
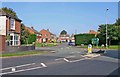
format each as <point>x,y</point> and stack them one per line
<point>79,60</point>
<point>66,60</point>
<point>17,66</point>
<point>25,65</point>
<point>53,51</point>
<point>20,70</point>
<point>13,69</point>
<point>43,64</point>
<point>63,58</point>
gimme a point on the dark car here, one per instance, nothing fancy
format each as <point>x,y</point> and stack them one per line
<point>71,43</point>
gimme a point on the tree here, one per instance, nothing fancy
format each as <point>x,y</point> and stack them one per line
<point>32,38</point>
<point>9,11</point>
<point>24,35</point>
<point>113,32</point>
<point>63,32</point>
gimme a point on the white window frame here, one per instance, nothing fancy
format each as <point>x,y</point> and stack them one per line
<point>14,41</point>
<point>12,25</point>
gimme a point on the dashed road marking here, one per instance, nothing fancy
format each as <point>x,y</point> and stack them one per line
<point>17,66</point>
<point>53,51</point>
<point>20,70</point>
<point>13,69</point>
<point>43,64</point>
<point>66,60</point>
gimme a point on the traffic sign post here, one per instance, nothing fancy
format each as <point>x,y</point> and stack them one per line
<point>95,41</point>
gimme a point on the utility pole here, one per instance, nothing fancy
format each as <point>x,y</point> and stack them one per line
<point>106,29</point>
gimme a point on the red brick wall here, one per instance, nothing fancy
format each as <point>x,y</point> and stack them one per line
<point>30,30</point>
<point>17,26</point>
<point>2,43</point>
<point>44,33</point>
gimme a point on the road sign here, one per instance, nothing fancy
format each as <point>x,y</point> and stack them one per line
<point>95,41</point>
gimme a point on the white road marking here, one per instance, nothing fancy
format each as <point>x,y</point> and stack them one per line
<point>20,70</point>
<point>13,69</point>
<point>53,51</point>
<point>63,58</point>
<point>17,66</point>
<point>66,60</point>
<point>85,57</point>
<point>43,65</point>
<point>79,60</point>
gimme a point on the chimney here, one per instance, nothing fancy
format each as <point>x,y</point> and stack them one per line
<point>47,29</point>
<point>32,27</point>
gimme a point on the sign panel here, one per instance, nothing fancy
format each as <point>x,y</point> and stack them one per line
<point>2,25</point>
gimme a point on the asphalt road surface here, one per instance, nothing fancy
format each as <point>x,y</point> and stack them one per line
<point>65,60</point>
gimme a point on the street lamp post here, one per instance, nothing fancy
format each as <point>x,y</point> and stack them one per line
<point>106,29</point>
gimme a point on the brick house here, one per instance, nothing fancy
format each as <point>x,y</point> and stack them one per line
<point>10,30</point>
<point>64,38</point>
<point>47,36</point>
<point>33,31</point>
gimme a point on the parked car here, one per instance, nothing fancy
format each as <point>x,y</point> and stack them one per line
<point>71,43</point>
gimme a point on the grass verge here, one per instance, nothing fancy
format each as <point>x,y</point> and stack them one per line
<point>22,53</point>
<point>46,44</point>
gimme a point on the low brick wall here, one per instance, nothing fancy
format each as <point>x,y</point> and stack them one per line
<point>2,43</point>
<point>18,48</point>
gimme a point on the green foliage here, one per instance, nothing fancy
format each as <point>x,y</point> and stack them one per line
<point>83,39</point>
<point>63,32</point>
<point>45,44</point>
<point>26,37</point>
<point>24,34</point>
<point>32,38</point>
<point>113,32</point>
<point>9,11</point>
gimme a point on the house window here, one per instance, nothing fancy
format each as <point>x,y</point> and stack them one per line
<point>14,40</point>
<point>12,24</point>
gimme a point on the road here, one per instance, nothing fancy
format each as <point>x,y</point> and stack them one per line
<point>65,60</point>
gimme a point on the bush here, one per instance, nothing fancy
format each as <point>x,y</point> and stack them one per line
<point>83,39</point>
<point>32,38</point>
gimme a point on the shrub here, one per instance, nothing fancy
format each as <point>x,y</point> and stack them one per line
<point>83,38</point>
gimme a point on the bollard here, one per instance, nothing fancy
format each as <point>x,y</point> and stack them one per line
<point>89,48</point>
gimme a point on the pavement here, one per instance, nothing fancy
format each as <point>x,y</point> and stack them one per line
<point>65,60</point>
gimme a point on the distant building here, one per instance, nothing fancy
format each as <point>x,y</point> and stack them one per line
<point>93,32</point>
<point>47,36</point>
<point>64,38</point>
<point>10,30</point>
<point>72,38</point>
